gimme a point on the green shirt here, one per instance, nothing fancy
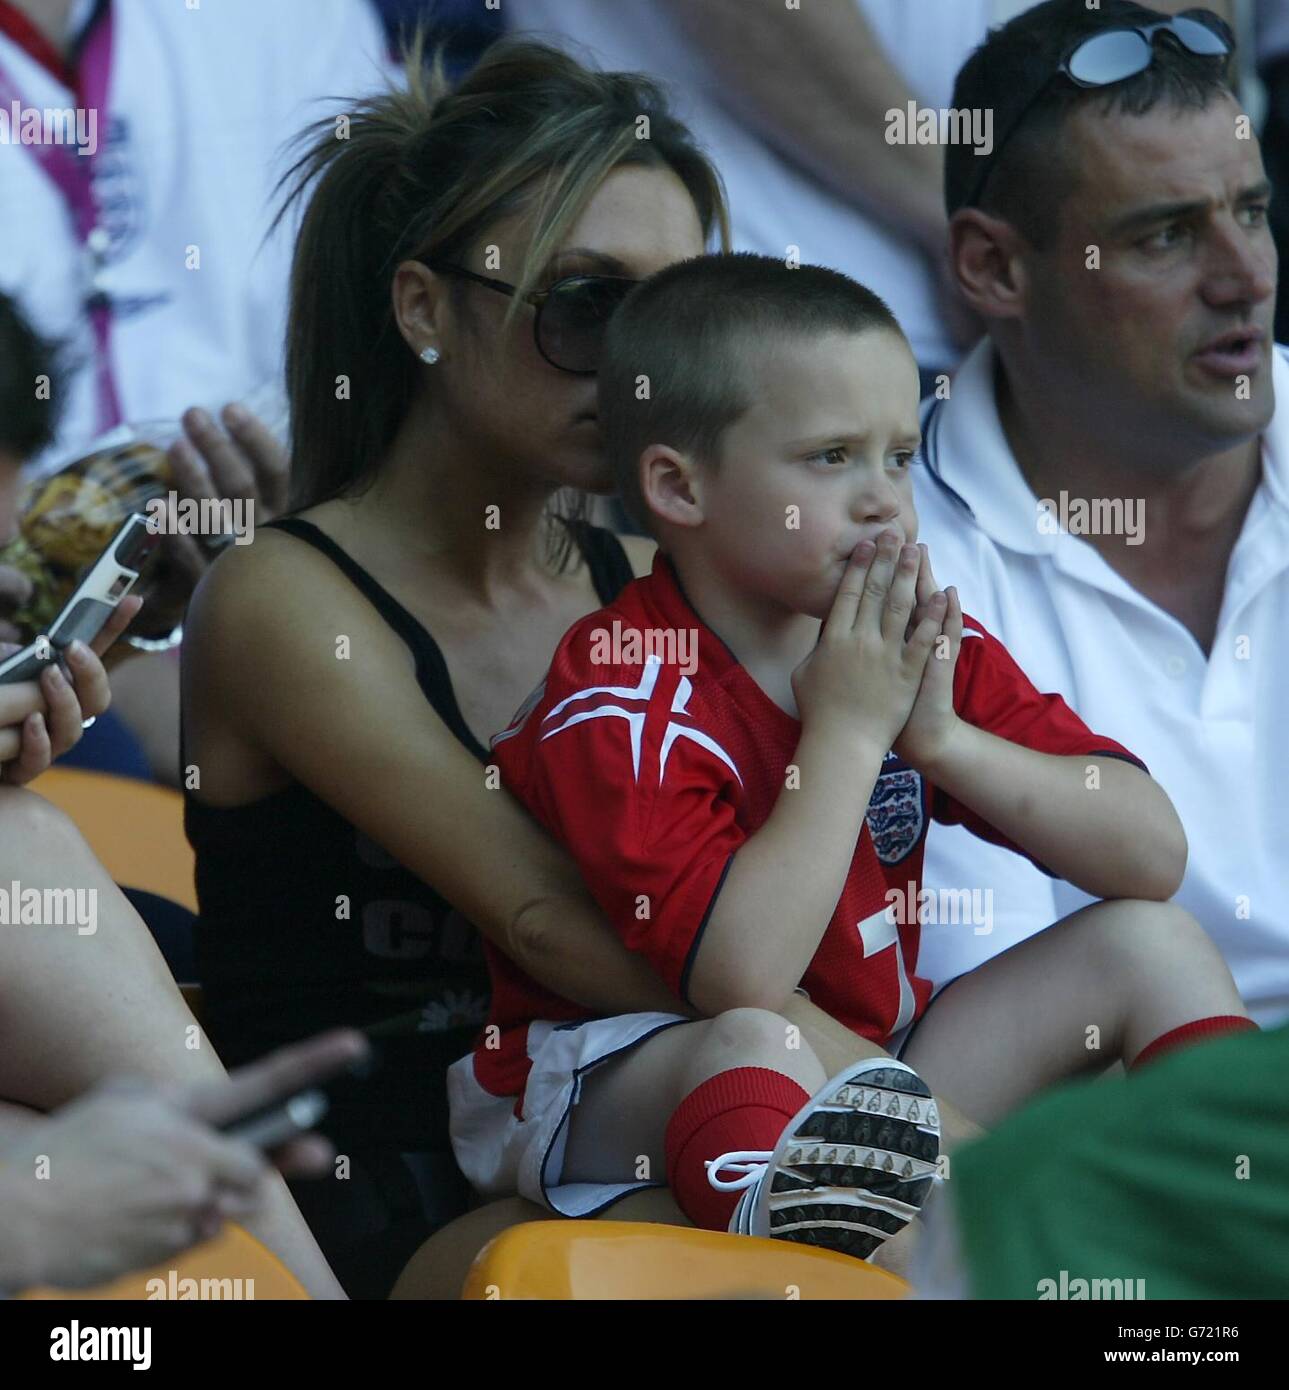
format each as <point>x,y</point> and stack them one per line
<point>1169,1183</point>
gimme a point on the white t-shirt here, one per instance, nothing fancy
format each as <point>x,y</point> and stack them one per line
<point>773,204</point>
<point>1213,731</point>
<point>200,102</point>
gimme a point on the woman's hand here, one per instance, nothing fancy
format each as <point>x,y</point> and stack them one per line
<point>40,720</point>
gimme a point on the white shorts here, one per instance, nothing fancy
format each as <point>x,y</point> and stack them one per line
<point>502,1155</point>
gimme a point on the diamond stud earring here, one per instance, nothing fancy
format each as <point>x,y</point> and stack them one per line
<point>429,356</point>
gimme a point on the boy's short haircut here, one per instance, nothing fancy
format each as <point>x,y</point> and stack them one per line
<point>678,362</point>
<point>28,407</point>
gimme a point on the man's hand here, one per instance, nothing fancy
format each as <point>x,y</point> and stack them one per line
<point>40,720</point>
<point>242,460</point>
<point>932,721</point>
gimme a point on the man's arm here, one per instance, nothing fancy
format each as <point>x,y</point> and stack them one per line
<point>815,85</point>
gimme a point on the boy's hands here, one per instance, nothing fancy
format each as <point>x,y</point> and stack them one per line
<point>863,677</point>
<point>932,720</point>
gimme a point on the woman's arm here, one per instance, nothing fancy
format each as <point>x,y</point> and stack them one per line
<point>352,724</point>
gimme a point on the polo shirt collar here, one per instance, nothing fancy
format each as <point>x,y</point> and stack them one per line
<point>967,452</point>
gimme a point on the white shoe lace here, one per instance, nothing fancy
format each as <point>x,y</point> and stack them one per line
<point>748,1163</point>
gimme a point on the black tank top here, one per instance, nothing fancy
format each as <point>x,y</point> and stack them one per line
<point>306,924</point>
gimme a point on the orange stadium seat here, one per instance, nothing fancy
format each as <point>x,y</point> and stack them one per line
<point>135,828</point>
<point>635,1260</point>
<point>232,1266</point>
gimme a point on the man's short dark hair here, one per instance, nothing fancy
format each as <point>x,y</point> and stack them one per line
<point>28,415</point>
<point>680,355</point>
<point>1033,173</point>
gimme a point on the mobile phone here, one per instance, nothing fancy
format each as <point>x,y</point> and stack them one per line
<point>109,579</point>
<point>272,1125</point>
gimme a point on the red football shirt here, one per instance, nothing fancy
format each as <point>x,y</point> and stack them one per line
<point>653,778</point>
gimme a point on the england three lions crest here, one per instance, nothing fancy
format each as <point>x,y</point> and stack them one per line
<point>896,813</point>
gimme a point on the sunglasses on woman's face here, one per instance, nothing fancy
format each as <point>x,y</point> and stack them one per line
<point>572,314</point>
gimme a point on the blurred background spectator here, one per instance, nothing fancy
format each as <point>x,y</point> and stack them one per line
<point>793,105</point>
<point>147,259</point>
<point>462,28</point>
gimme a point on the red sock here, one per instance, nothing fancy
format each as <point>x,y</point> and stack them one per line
<point>1198,1031</point>
<point>744,1108</point>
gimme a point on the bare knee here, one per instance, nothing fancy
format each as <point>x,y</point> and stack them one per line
<point>755,1038</point>
<point>749,1032</point>
<point>1131,935</point>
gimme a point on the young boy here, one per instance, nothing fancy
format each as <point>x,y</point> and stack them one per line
<point>743,752</point>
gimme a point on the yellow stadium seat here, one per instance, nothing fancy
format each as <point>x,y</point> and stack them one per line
<point>635,1260</point>
<point>232,1266</point>
<point>135,829</point>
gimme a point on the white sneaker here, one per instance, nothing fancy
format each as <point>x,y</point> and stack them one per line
<point>851,1170</point>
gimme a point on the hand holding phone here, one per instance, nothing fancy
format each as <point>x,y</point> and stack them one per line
<point>276,1101</point>
<point>108,580</point>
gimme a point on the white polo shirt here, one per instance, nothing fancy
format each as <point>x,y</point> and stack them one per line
<point>200,102</point>
<point>1213,730</point>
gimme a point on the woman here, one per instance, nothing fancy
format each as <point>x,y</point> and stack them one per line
<point>457,261</point>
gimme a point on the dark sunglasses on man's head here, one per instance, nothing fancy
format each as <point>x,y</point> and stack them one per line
<point>1115,55</point>
<point>572,314</point>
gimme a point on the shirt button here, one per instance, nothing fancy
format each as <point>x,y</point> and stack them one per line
<point>1176,667</point>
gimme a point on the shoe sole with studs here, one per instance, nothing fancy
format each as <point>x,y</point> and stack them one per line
<point>855,1165</point>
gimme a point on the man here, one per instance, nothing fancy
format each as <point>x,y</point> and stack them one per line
<point>1116,245</point>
